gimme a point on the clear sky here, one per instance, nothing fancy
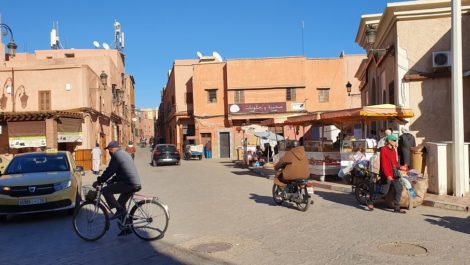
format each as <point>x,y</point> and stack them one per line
<point>157,32</point>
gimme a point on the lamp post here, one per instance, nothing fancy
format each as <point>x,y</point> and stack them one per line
<point>11,45</point>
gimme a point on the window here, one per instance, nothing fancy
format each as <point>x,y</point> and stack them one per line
<point>290,94</point>
<point>323,95</point>
<point>239,96</point>
<point>44,100</point>
<point>391,93</point>
<point>212,95</point>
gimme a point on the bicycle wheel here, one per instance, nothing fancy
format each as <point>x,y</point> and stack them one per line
<point>90,222</point>
<point>149,219</point>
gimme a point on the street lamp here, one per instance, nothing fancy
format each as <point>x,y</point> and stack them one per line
<point>349,88</point>
<point>11,45</point>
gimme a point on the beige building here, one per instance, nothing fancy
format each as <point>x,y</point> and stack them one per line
<point>404,67</point>
<point>68,99</point>
<point>210,99</point>
<point>409,64</point>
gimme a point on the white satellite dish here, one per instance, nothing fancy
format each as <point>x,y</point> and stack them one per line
<point>217,56</point>
<point>199,54</point>
<point>106,46</point>
<point>96,44</point>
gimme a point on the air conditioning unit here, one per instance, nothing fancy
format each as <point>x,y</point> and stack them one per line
<point>441,59</point>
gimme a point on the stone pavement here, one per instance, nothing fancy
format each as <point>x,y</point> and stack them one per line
<point>432,200</point>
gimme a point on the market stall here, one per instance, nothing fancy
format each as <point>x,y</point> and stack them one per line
<point>328,157</point>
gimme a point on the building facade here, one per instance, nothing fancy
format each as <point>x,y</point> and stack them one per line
<point>145,123</point>
<point>68,99</point>
<point>210,99</point>
<point>402,67</point>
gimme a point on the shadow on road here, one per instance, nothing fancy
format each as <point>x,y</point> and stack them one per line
<point>246,173</point>
<point>270,201</point>
<point>341,198</point>
<point>454,223</point>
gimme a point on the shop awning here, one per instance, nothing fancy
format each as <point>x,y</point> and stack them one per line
<point>26,134</point>
<point>367,113</point>
<point>351,116</point>
<point>69,130</point>
<point>279,121</point>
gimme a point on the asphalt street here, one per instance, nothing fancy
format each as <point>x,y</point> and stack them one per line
<point>221,214</point>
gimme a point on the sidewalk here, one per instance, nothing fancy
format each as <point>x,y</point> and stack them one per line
<point>432,200</point>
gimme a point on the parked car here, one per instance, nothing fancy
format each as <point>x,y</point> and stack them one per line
<point>165,154</point>
<point>40,182</point>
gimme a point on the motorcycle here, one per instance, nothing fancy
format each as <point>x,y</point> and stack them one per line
<point>299,192</point>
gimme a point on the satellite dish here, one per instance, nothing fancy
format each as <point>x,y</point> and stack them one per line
<point>96,44</point>
<point>217,56</point>
<point>106,46</point>
<point>199,54</point>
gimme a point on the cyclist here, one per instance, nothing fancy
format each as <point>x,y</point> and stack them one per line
<point>125,181</point>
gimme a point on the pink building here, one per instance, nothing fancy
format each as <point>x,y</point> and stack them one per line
<point>68,99</point>
<point>209,99</point>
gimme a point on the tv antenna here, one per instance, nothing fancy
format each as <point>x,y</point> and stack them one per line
<point>106,46</point>
<point>96,44</point>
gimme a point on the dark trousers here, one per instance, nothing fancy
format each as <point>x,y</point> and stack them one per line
<point>117,188</point>
<point>385,188</point>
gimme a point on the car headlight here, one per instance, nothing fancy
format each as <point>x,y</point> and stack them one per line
<point>62,185</point>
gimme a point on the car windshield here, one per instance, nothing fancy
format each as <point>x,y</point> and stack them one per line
<point>38,163</point>
<point>166,148</point>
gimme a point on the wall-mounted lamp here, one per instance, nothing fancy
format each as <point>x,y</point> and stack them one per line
<point>104,79</point>
<point>371,35</point>
<point>349,88</point>
<point>8,89</point>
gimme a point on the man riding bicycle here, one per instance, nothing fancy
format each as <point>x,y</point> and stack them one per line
<point>125,181</point>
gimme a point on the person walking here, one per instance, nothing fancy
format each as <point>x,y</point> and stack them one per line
<point>96,159</point>
<point>383,140</point>
<point>208,148</point>
<point>405,142</point>
<point>388,161</point>
<point>130,148</point>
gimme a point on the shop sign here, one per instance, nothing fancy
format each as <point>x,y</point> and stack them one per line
<point>258,107</point>
<point>69,137</point>
<point>27,141</point>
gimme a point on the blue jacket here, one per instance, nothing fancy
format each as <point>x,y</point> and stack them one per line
<point>123,166</point>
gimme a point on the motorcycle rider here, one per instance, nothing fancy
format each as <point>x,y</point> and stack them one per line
<point>294,164</point>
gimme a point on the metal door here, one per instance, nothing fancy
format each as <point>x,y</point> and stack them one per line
<point>224,144</point>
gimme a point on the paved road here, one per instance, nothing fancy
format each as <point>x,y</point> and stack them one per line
<point>212,202</point>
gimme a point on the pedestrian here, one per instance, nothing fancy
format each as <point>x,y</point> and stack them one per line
<point>130,148</point>
<point>405,142</point>
<point>383,140</point>
<point>388,162</point>
<point>96,159</point>
<point>208,148</point>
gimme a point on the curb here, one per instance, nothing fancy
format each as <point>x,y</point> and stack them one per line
<point>269,174</point>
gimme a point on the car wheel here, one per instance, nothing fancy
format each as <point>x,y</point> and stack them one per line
<point>78,200</point>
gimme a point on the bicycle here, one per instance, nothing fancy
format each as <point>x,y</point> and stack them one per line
<point>91,218</point>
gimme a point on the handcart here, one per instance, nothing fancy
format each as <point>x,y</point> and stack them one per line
<point>193,151</point>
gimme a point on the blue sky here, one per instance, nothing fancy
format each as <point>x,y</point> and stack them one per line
<point>160,31</point>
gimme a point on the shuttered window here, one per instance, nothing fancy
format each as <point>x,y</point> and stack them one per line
<point>239,96</point>
<point>44,100</point>
<point>290,94</point>
<point>323,95</point>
